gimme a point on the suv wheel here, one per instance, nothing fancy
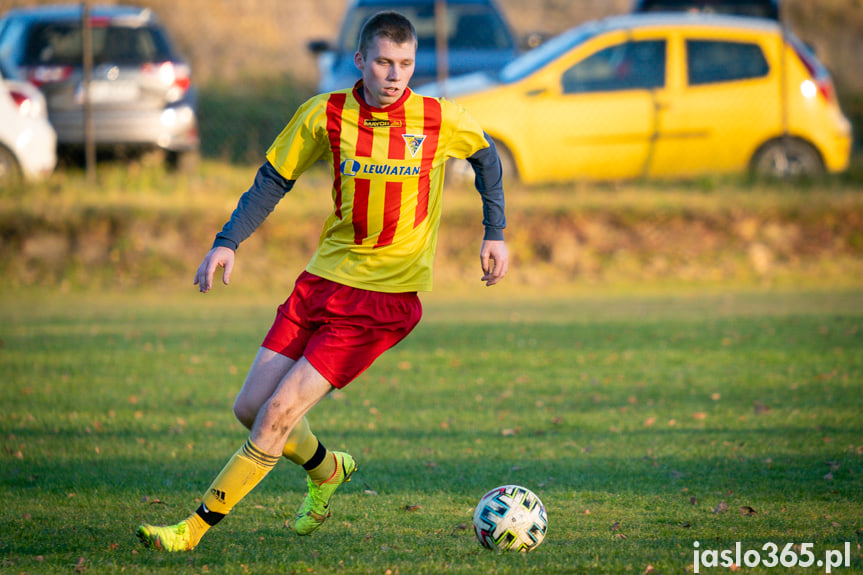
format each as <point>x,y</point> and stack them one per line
<point>10,170</point>
<point>182,162</point>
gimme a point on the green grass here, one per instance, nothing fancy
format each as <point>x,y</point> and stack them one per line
<point>633,418</point>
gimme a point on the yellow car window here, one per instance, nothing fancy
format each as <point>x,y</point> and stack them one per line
<point>712,61</point>
<point>627,66</point>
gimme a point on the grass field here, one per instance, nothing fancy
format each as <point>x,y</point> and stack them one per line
<point>645,424</point>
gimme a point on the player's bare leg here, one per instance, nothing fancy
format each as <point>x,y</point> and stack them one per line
<point>267,372</point>
<point>295,395</point>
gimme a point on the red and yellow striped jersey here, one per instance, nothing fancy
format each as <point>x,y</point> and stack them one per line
<point>388,166</point>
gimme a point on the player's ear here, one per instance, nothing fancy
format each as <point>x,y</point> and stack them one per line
<point>359,61</point>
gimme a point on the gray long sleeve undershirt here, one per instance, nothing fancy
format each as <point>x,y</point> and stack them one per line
<point>270,187</point>
<point>254,206</point>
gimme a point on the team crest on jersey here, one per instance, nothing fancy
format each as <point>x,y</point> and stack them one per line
<point>414,142</point>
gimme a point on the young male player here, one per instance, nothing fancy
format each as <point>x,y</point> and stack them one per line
<point>358,295</point>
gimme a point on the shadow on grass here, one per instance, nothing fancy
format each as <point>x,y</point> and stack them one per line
<point>738,460</point>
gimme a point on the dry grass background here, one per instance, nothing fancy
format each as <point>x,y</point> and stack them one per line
<point>140,227</point>
<point>232,39</point>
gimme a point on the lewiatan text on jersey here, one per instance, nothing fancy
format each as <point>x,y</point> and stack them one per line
<point>353,168</point>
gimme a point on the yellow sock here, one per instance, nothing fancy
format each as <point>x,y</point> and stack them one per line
<point>246,468</point>
<point>324,470</point>
<point>239,476</point>
<point>301,444</point>
<point>303,448</point>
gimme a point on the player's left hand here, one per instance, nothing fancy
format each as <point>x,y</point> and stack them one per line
<point>494,258</point>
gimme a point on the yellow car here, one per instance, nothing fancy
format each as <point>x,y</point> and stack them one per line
<point>660,96</point>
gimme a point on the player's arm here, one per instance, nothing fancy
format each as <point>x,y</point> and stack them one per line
<point>494,257</point>
<point>253,208</point>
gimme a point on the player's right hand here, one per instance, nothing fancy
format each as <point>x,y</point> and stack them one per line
<point>494,259</point>
<point>217,257</point>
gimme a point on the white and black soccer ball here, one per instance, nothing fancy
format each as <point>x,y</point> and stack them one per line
<point>510,517</point>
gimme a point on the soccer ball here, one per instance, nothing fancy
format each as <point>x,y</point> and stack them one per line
<point>510,517</point>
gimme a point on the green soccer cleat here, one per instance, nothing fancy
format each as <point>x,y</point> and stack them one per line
<point>169,538</point>
<point>316,507</point>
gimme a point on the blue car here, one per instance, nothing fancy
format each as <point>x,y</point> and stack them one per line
<point>756,8</point>
<point>478,38</point>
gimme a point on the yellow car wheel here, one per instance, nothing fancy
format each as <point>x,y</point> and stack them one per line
<point>507,162</point>
<point>787,158</point>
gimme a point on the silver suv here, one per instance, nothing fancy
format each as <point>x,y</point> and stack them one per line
<point>141,93</point>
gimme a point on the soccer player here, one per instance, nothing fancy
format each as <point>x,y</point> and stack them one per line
<point>358,296</point>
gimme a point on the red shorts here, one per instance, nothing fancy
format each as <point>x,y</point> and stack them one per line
<point>341,330</point>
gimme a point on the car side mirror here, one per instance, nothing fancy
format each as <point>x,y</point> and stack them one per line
<point>533,39</point>
<point>318,47</point>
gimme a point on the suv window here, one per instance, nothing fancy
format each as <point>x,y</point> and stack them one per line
<point>469,26</point>
<point>10,39</point>
<point>714,61</point>
<point>628,66</point>
<point>60,44</point>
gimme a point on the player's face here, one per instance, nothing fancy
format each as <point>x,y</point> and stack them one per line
<point>386,68</point>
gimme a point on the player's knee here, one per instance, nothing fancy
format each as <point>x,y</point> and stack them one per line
<point>244,412</point>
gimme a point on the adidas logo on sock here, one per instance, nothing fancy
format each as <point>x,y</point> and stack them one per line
<point>220,495</point>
